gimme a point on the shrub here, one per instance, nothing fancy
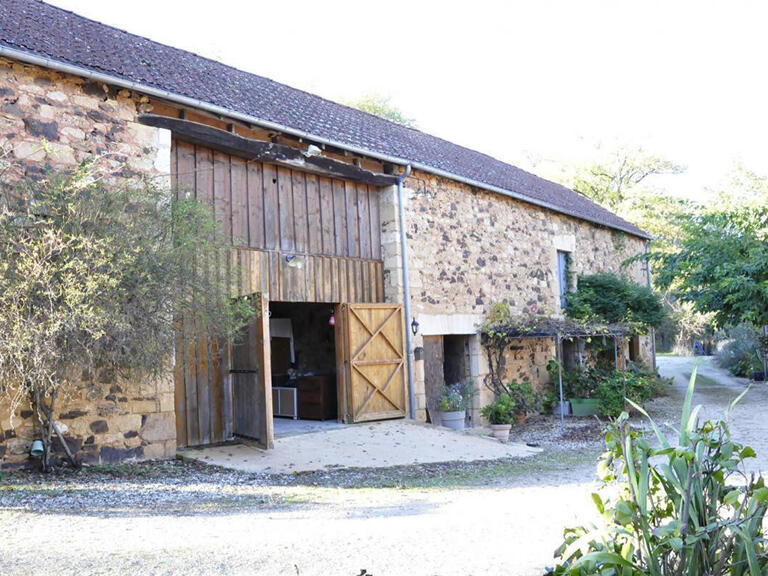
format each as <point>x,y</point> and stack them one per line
<point>682,508</point>
<point>741,353</point>
<point>610,386</point>
<point>524,397</point>
<point>502,410</point>
<point>613,299</point>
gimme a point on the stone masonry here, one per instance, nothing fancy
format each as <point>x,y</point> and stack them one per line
<point>469,248</point>
<point>52,121</point>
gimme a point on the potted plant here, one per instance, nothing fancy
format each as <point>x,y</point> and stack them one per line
<point>582,388</point>
<point>500,414</point>
<point>453,403</point>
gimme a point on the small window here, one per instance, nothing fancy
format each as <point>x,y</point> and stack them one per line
<point>562,275</point>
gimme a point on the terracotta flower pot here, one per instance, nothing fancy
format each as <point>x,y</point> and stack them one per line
<point>501,431</point>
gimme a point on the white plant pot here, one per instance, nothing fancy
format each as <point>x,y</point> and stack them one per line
<point>501,431</point>
<point>453,420</point>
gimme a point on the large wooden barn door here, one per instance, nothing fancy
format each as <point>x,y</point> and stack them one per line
<point>373,346</point>
<point>252,379</point>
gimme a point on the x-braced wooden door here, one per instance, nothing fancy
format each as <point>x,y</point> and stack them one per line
<point>373,349</point>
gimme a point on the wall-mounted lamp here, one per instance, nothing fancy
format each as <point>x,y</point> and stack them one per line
<point>292,262</point>
<point>414,326</point>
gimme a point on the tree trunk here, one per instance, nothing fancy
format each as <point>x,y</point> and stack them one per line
<point>45,416</point>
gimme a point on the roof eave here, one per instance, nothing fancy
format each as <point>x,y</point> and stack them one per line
<point>66,68</point>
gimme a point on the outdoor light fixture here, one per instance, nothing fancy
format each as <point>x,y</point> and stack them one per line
<point>292,262</point>
<point>414,326</point>
<point>332,319</point>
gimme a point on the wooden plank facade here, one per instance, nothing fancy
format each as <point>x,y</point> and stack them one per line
<point>297,237</point>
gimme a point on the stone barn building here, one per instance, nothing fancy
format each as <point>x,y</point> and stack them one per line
<point>314,196</point>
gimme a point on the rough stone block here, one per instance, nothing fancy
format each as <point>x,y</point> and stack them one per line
<point>159,427</point>
<point>99,426</point>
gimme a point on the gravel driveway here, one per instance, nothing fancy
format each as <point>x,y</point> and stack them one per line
<point>495,517</point>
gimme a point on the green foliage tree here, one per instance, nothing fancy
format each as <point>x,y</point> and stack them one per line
<point>618,176</point>
<point>381,106</point>
<point>614,300</point>
<point>675,507</point>
<point>721,263</point>
<point>94,277</point>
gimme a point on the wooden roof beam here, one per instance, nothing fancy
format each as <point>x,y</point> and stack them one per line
<point>257,150</point>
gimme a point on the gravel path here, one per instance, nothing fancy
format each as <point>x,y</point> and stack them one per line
<point>495,517</point>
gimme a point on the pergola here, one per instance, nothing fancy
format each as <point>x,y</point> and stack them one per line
<point>559,329</point>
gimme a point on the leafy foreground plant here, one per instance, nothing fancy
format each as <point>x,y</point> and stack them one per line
<point>687,509</point>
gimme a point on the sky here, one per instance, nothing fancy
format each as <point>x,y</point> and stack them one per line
<point>530,82</point>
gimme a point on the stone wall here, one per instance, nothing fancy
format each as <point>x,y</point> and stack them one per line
<point>469,248</point>
<point>53,121</point>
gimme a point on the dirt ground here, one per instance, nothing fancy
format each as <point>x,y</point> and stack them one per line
<point>494,517</point>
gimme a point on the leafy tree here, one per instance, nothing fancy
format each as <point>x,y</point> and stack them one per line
<point>721,263</point>
<point>615,300</point>
<point>95,277</point>
<point>618,176</point>
<point>381,106</point>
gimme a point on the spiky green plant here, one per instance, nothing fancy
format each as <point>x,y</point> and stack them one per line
<point>684,508</point>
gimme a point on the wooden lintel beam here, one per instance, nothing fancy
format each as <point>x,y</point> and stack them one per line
<point>270,152</point>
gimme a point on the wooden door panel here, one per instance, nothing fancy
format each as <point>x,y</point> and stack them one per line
<point>434,377</point>
<point>374,361</point>
<point>252,380</point>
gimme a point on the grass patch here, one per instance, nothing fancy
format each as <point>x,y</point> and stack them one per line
<point>704,381</point>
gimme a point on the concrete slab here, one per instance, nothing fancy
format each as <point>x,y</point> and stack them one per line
<point>374,445</point>
<point>288,427</point>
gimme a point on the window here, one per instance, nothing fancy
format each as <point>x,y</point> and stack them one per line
<point>562,275</point>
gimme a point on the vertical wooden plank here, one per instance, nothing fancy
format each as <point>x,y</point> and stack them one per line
<point>285,199</point>
<point>340,218</point>
<point>255,205</point>
<point>271,208</point>
<point>365,282</point>
<point>239,188</point>
<point>179,391</point>
<point>218,426</point>
<point>339,312</point>
<point>222,199</point>
<point>274,276</point>
<point>341,280</point>
<point>185,175</point>
<point>204,175</point>
<point>300,217</point>
<point>373,204</point>
<point>379,281</point>
<point>265,275</point>
<point>174,169</point>
<point>204,374</point>
<point>265,373</point>
<point>314,219</point>
<point>327,221</point>
<point>190,382</point>
<point>254,257</point>
<point>353,220</point>
<point>365,221</point>
<point>228,408</point>
<point>310,288</point>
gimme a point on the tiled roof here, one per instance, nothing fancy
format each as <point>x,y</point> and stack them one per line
<point>38,29</point>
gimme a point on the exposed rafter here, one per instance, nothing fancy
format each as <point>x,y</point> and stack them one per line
<point>257,150</point>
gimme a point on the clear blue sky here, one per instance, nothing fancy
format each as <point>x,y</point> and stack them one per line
<point>543,79</point>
